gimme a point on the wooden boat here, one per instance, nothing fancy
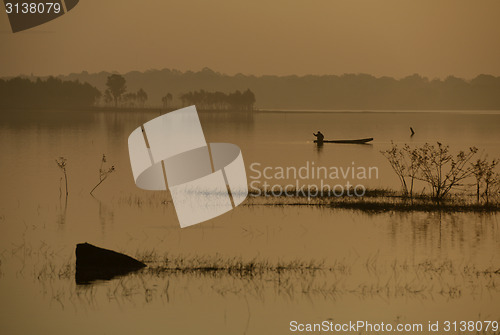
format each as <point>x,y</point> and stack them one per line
<point>359,141</point>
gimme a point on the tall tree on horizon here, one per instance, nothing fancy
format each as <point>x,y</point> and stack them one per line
<point>117,86</point>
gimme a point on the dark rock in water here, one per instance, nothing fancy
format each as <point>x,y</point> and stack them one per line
<point>94,263</point>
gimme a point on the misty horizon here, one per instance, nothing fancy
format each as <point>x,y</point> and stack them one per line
<point>234,74</point>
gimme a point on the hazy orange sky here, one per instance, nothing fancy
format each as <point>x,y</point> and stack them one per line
<point>391,37</point>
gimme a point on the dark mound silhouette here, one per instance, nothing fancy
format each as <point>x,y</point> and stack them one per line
<point>94,263</point>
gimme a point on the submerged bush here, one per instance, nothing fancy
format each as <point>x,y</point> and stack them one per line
<point>441,170</point>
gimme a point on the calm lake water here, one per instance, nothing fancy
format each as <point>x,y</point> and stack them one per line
<point>386,267</point>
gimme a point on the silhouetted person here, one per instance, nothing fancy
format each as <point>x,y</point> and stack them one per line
<point>319,137</point>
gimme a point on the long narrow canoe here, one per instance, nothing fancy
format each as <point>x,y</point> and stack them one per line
<point>359,141</point>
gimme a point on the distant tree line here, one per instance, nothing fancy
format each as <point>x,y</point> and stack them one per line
<point>219,100</point>
<point>347,91</point>
<point>49,93</point>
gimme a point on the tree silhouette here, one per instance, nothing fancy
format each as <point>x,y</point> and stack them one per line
<point>166,100</point>
<point>219,100</point>
<point>108,98</point>
<point>142,97</point>
<point>50,93</point>
<point>248,99</point>
<point>129,99</point>
<point>116,86</point>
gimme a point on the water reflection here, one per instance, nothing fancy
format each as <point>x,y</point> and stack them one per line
<point>63,209</point>
<point>446,234</point>
<point>105,213</point>
<point>390,259</point>
<point>319,147</point>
